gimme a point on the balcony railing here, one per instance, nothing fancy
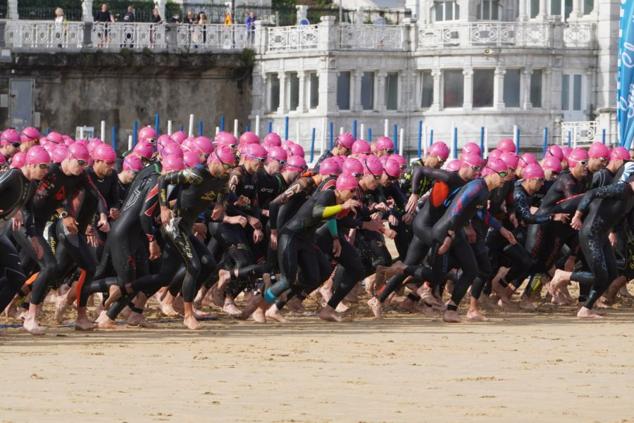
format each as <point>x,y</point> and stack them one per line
<point>292,38</point>
<point>47,35</point>
<point>372,37</point>
<point>326,36</point>
<point>504,34</point>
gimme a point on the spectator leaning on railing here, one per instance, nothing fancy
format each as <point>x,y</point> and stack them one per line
<point>130,15</point>
<point>189,18</point>
<point>156,15</point>
<point>104,15</point>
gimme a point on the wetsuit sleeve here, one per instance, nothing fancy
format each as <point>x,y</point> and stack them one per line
<point>607,191</point>
<point>323,207</point>
<point>184,177</point>
<point>421,172</point>
<point>274,206</point>
<point>523,210</point>
<point>332,227</point>
<point>487,218</point>
<point>148,212</point>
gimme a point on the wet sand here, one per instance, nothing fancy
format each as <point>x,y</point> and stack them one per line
<point>519,367</point>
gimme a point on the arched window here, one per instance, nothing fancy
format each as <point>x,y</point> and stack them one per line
<point>488,10</point>
<point>446,10</point>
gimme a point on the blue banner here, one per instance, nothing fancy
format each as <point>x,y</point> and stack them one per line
<point>625,86</point>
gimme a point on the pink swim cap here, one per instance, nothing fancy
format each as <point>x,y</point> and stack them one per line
<point>346,182</point>
<point>133,163</point>
<point>204,144</point>
<point>385,144</point>
<point>552,163</point>
<point>472,159</point>
<point>172,163</point>
<point>372,166</point>
<point>511,159</point>
<point>345,140</point>
<point>506,145</point>
<point>147,133</point>
<point>224,155</point>
<point>30,134</point>
<point>144,150</point>
<point>296,164</point>
<point>454,165</point>
<point>272,139</point>
<point>352,167</point>
<point>619,153</point>
<point>18,160</point>
<point>78,151</point>
<point>104,153</point>
<point>599,151</point>
<point>37,155</point>
<point>249,138</point>
<point>179,137</point>
<point>277,153</point>
<point>471,147</point>
<point>360,147</point>
<point>329,167</point>
<point>392,168</point>
<point>533,171</point>
<point>255,152</point>
<point>439,149</point>
<point>555,151</point>
<point>59,153</point>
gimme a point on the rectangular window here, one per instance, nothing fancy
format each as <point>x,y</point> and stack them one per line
<point>446,10</point>
<point>314,90</point>
<point>391,91</point>
<point>536,88</point>
<point>483,87</point>
<point>534,8</point>
<point>427,84</point>
<point>555,7</point>
<point>453,88</point>
<point>367,91</point>
<point>512,88</point>
<point>565,92</point>
<point>576,93</point>
<point>293,91</point>
<point>588,6</point>
<point>274,92</point>
<point>343,91</point>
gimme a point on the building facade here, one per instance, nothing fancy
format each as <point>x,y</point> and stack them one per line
<point>463,64</point>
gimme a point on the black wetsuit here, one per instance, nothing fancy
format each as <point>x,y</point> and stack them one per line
<point>15,192</point>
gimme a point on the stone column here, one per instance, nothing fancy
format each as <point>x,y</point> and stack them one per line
<point>86,10</point>
<point>12,9</point>
<point>525,89</point>
<point>498,91</point>
<point>301,107</point>
<point>327,33</point>
<point>577,10</point>
<point>355,83</point>
<point>522,15</point>
<point>283,100</point>
<point>547,90</point>
<point>380,98</point>
<point>435,105</point>
<point>468,89</point>
<point>543,9</point>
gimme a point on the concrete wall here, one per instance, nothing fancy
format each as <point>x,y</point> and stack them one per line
<point>71,90</point>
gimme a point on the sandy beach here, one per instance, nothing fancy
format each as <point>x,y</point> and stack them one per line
<point>519,367</point>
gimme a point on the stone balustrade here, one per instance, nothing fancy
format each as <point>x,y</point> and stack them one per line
<point>325,36</point>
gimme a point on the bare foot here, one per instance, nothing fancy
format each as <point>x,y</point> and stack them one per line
<point>32,327</point>
<point>342,308</point>
<point>474,315</point>
<point>230,308</point>
<point>376,307</point>
<point>178,305</point>
<point>528,304</point>
<point>258,316</point>
<point>61,305</point>
<point>104,322</point>
<point>425,293</point>
<point>167,309</point>
<point>114,293</point>
<point>451,316</point>
<point>587,313</point>
<point>329,315</point>
<point>191,323</point>
<point>138,319</point>
<point>273,313</point>
<point>83,323</point>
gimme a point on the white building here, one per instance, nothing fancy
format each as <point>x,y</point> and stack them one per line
<point>463,63</point>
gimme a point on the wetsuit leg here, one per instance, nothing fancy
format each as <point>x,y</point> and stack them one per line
<point>349,272</point>
<point>484,268</point>
<point>11,270</point>
<point>48,273</point>
<point>288,251</point>
<point>415,255</point>
<point>462,252</point>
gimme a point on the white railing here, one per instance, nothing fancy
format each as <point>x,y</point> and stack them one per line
<point>292,38</point>
<point>44,35</point>
<point>493,34</point>
<point>579,133</point>
<point>213,37</point>
<point>579,35</point>
<point>136,36</point>
<point>297,39</point>
<point>372,37</point>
